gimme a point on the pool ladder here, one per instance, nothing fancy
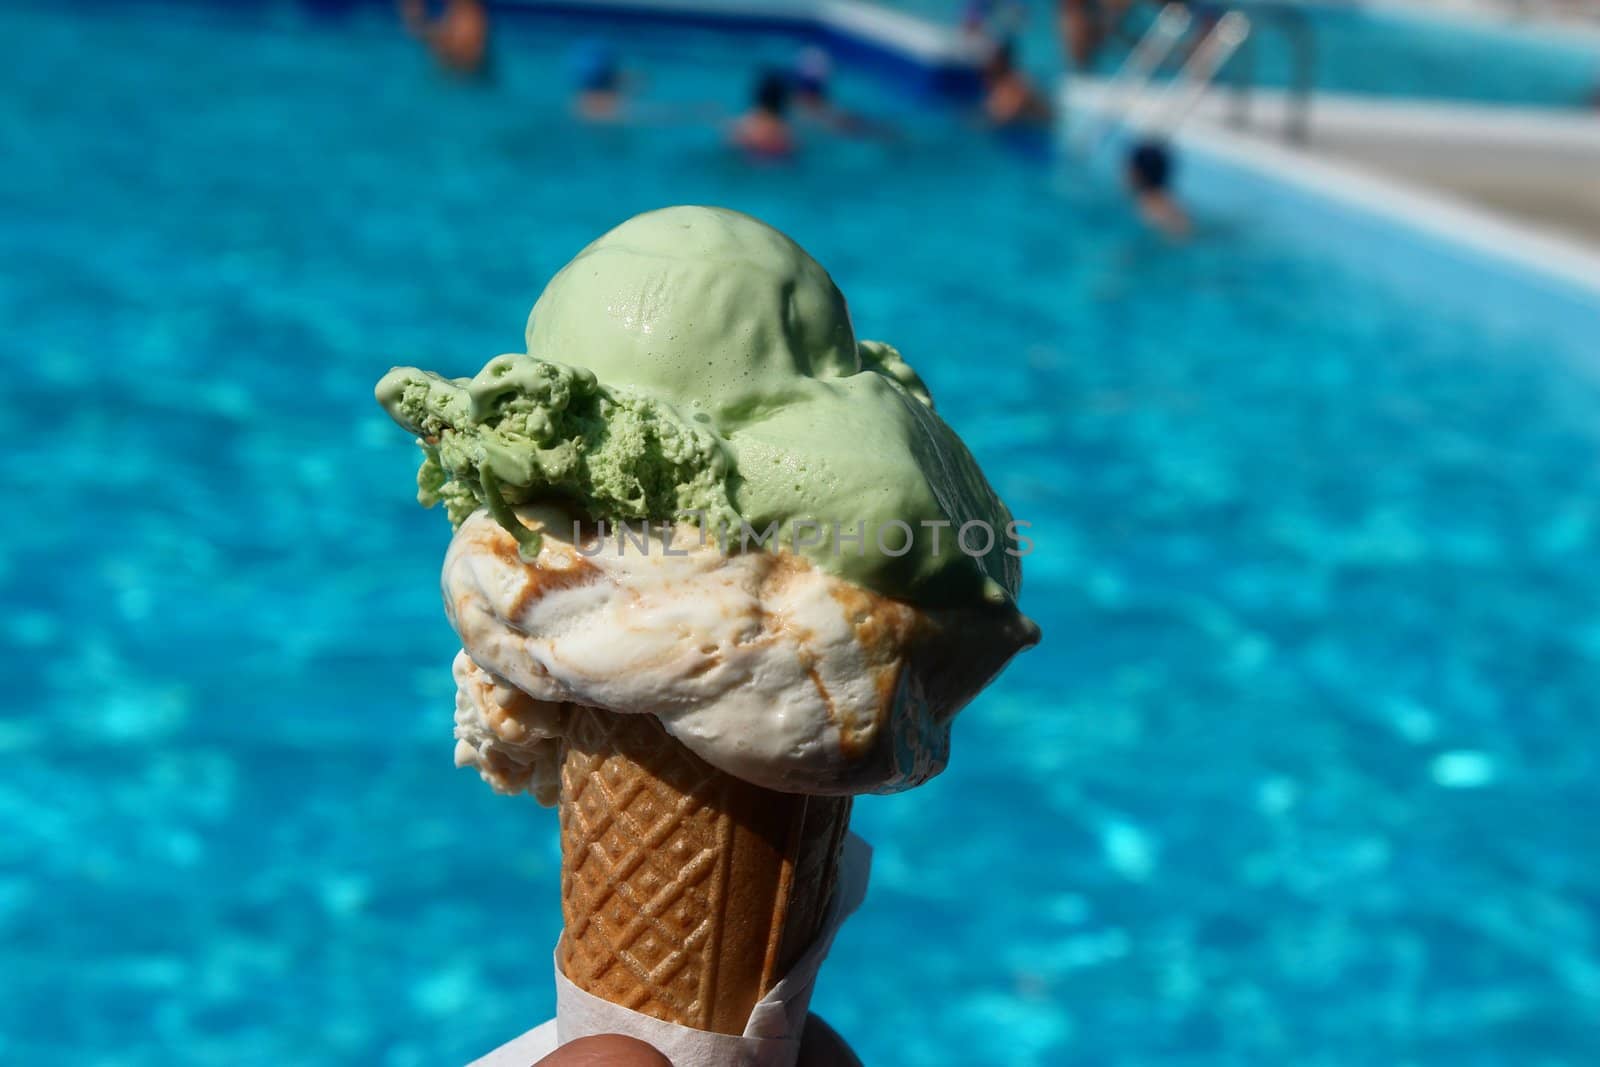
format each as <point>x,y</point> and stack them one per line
<point>1130,103</point>
<point>1293,27</point>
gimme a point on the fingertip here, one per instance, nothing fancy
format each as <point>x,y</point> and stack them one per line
<point>605,1050</point>
<point>823,1047</point>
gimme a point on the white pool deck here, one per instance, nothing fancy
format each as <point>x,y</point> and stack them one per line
<point>1540,168</point>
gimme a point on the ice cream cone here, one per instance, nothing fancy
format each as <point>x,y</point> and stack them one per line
<point>686,893</point>
<point>697,369</point>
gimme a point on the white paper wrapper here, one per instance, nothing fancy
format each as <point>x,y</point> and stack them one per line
<point>771,1038</point>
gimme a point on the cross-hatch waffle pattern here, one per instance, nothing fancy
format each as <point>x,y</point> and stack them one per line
<point>686,892</point>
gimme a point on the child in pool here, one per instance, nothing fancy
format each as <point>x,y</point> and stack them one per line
<point>1010,98</point>
<point>764,129</point>
<point>597,82</point>
<point>1149,175</point>
<point>458,37</point>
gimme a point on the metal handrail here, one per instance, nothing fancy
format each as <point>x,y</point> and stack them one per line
<point>1135,73</point>
<point>1184,92</point>
<point>1233,36</point>
<point>1292,24</point>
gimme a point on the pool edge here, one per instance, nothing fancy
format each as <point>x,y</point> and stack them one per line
<point>1562,276</point>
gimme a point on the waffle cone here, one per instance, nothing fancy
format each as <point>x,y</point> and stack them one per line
<point>686,893</point>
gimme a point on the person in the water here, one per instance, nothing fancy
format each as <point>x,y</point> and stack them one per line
<point>1010,97</point>
<point>1149,176</point>
<point>458,37</point>
<point>809,83</point>
<point>812,69</point>
<point>764,129</point>
<point>597,82</point>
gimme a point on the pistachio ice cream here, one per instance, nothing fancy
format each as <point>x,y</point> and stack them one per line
<point>827,576</point>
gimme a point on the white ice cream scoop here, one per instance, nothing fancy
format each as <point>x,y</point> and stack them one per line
<point>765,666</point>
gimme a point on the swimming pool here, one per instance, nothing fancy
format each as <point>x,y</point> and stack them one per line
<point>1302,773</point>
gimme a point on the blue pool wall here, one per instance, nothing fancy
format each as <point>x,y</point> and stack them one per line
<point>1540,67</point>
<point>1424,53</point>
<point>1566,66</point>
<point>1579,47</point>
<point>951,80</point>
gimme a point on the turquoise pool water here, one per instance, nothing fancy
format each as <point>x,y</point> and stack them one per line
<point>1304,771</point>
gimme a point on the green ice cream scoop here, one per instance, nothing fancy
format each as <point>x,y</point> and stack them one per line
<point>695,364</point>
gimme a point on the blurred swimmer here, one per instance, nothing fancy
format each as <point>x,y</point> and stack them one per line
<point>458,36</point>
<point>808,80</point>
<point>764,130</point>
<point>812,69</point>
<point>606,92</point>
<point>1010,98</point>
<point>597,81</point>
<point>1149,175</point>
